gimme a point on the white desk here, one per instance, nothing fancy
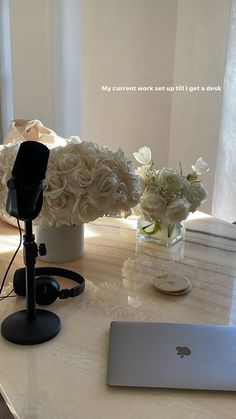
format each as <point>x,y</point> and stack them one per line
<point>65,378</point>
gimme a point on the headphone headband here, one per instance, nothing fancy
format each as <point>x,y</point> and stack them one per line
<point>46,286</point>
<point>65,273</point>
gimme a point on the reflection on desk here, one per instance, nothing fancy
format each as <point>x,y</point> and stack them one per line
<point>65,377</point>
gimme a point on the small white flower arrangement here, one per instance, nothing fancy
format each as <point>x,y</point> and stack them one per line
<point>167,196</point>
<point>84,181</point>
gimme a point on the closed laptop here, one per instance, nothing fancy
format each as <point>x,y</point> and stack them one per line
<point>165,355</point>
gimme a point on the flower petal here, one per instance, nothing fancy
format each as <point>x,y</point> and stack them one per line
<point>200,167</point>
<point>144,155</point>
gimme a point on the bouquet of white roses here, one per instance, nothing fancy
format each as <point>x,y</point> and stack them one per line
<point>167,195</point>
<point>84,181</point>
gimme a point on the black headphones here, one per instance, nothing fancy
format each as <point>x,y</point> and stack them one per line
<point>47,288</point>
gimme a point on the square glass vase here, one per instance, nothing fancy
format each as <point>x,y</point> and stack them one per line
<point>161,233</point>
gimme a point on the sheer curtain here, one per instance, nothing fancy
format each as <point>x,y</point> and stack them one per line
<point>6,100</point>
<point>224,197</point>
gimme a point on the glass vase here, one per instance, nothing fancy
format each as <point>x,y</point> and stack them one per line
<point>161,233</point>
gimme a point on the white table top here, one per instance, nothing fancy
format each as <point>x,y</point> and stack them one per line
<point>66,377</point>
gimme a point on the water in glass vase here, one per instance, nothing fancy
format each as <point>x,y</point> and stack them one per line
<point>164,234</point>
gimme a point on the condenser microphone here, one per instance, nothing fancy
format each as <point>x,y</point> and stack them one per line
<point>25,195</point>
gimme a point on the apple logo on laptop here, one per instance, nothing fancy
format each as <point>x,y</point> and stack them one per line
<point>183,351</point>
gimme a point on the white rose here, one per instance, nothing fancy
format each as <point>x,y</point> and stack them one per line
<point>84,212</point>
<point>3,200</point>
<point>78,180</point>
<point>46,216</point>
<point>125,173</point>
<point>74,139</point>
<point>55,183</point>
<point>90,153</point>
<point>133,190</point>
<point>200,167</point>
<point>56,203</point>
<point>177,210</point>
<point>169,179</point>
<point>201,191</point>
<point>195,193</point>
<point>146,173</point>
<point>70,148</point>
<point>57,210</point>
<point>8,154</point>
<point>144,155</point>
<point>120,196</point>
<point>152,205</point>
<point>65,159</point>
<point>68,162</point>
<point>103,186</point>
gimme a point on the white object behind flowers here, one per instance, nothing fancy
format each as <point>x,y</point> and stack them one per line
<point>168,195</point>
<point>84,181</point>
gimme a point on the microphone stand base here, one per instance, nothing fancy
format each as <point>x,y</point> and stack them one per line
<point>18,329</point>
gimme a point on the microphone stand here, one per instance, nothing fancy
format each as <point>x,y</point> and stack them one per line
<point>30,326</point>
<point>30,254</point>
<point>24,202</point>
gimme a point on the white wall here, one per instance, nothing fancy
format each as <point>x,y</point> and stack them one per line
<point>127,43</point>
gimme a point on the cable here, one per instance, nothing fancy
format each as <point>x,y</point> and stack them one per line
<point>8,295</point>
<point>9,266</point>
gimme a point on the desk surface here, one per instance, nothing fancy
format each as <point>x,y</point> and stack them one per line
<point>66,377</point>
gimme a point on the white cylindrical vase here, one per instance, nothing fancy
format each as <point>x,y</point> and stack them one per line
<point>64,243</point>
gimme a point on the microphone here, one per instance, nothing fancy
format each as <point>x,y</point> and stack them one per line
<point>24,201</point>
<point>25,196</point>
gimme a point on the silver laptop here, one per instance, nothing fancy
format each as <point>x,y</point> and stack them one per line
<point>187,356</point>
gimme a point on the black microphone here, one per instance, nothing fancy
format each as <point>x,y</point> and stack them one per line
<point>25,196</point>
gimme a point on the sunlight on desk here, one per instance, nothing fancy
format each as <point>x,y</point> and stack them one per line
<point>90,232</point>
<point>197,215</point>
<point>9,243</point>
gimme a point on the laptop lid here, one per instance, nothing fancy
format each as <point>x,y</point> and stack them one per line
<point>187,356</point>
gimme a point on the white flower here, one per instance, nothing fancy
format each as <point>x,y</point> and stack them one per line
<point>102,187</point>
<point>200,167</point>
<point>55,183</point>
<point>146,173</point>
<point>177,211</point>
<point>169,179</point>
<point>167,195</point>
<point>74,139</point>
<point>195,193</point>
<point>152,205</point>
<point>84,212</point>
<point>200,195</point>
<point>78,180</point>
<point>84,181</point>
<point>144,155</point>
<point>60,209</point>
<point>67,162</point>
<point>200,191</point>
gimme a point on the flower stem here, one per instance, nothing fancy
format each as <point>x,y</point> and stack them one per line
<point>170,229</point>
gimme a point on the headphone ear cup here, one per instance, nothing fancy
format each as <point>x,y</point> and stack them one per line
<point>19,282</point>
<point>47,290</point>
<point>46,287</point>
